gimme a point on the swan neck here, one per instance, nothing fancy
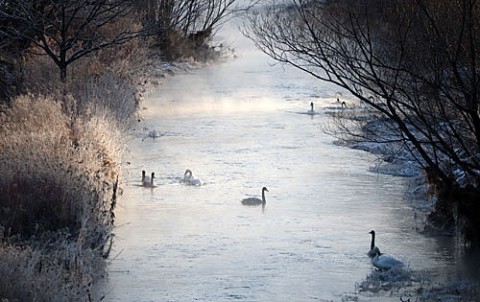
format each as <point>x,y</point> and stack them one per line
<point>263,197</point>
<point>372,244</point>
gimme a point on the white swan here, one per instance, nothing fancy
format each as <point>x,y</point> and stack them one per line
<point>148,181</point>
<point>190,179</point>
<point>154,133</point>
<point>254,201</point>
<point>311,111</point>
<point>384,262</point>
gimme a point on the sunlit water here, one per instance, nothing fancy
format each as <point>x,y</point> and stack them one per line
<point>240,125</point>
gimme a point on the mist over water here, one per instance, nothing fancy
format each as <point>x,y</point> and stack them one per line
<point>241,125</point>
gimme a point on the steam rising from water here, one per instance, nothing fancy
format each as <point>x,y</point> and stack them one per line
<point>208,105</point>
<point>238,86</point>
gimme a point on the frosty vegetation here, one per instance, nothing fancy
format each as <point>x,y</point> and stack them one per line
<point>72,76</point>
<point>411,287</point>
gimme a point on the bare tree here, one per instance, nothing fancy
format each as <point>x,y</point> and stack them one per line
<point>65,30</point>
<point>414,63</point>
<point>184,26</point>
<point>190,16</point>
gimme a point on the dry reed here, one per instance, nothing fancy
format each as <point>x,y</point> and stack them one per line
<point>57,195</point>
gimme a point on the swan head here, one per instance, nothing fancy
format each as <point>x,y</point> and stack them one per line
<point>372,232</point>
<point>188,172</point>
<point>264,189</point>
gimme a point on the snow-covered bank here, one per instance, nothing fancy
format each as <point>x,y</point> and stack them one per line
<point>392,156</point>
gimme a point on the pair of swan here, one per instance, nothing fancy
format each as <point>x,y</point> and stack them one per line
<point>190,179</point>
<point>380,260</point>
<point>148,181</point>
<point>343,104</point>
<point>254,201</point>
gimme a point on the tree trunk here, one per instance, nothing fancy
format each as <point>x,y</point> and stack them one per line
<point>63,74</point>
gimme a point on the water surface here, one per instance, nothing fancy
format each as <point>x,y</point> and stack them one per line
<point>240,125</point>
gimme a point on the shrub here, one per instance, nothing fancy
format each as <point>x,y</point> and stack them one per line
<point>63,273</point>
<point>105,80</point>
<point>57,195</point>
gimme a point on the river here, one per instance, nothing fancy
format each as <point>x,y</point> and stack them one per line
<point>240,125</point>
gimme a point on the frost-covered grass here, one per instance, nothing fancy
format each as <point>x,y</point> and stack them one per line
<point>453,291</point>
<point>409,286</point>
<point>360,127</point>
<point>57,194</point>
<point>60,271</point>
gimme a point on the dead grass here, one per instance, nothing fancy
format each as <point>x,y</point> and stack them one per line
<point>47,274</point>
<point>57,195</point>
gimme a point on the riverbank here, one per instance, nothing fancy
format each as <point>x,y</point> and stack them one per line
<point>59,187</point>
<point>359,127</point>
